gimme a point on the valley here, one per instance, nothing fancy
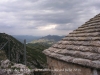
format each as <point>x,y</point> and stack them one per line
<point>14,51</point>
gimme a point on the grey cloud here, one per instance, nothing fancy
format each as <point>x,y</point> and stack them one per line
<point>31,14</point>
<point>67,16</point>
<point>3,25</point>
<point>65,5</point>
<point>67,27</point>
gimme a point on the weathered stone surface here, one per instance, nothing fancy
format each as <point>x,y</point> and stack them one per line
<point>9,68</point>
<point>67,68</point>
<point>82,46</point>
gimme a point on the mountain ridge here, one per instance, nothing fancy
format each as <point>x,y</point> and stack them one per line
<point>49,39</point>
<point>17,53</point>
<point>28,38</point>
<point>35,57</point>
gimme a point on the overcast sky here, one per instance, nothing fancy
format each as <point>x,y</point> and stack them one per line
<point>43,17</point>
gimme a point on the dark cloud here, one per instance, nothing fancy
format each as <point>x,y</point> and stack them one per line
<point>27,16</point>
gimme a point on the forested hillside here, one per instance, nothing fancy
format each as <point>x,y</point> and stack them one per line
<point>14,50</point>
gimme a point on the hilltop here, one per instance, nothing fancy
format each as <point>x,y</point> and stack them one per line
<point>49,39</point>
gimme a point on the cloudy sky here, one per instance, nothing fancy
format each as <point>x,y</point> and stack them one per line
<point>43,17</point>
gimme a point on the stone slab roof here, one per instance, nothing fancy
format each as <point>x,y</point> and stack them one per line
<point>82,46</point>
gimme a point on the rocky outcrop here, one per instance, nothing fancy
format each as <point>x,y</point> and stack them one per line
<point>9,68</point>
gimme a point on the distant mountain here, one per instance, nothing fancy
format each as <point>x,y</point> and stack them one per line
<point>28,38</point>
<point>49,39</point>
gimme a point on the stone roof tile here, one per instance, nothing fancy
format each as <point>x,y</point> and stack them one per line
<point>82,46</point>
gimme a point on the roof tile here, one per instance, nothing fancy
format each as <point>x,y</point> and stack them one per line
<point>82,46</point>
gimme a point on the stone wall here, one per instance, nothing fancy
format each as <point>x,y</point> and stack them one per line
<point>62,68</point>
